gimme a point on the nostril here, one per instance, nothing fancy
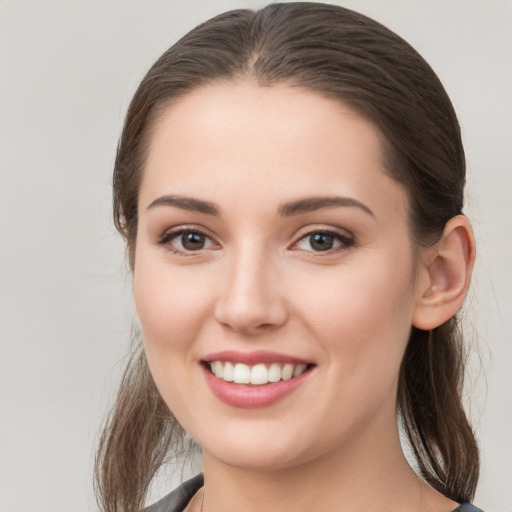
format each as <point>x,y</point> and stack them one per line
<point>250,321</point>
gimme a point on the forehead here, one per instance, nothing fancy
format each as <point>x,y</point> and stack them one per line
<point>247,113</point>
<point>245,140</point>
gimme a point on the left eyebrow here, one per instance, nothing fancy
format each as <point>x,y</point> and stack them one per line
<point>310,204</point>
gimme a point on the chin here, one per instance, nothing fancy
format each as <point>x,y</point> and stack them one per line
<point>256,458</point>
<point>259,449</point>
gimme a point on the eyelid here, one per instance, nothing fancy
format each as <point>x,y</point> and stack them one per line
<point>347,239</point>
<point>170,233</point>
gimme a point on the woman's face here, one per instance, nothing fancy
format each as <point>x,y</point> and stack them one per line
<point>272,248</point>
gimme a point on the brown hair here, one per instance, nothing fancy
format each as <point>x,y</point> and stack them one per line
<point>346,56</point>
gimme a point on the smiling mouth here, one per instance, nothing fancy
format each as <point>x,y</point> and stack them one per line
<point>256,375</point>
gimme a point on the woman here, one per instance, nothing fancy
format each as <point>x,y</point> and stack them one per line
<point>289,183</point>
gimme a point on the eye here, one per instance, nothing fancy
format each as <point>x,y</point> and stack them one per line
<point>323,241</point>
<point>187,241</point>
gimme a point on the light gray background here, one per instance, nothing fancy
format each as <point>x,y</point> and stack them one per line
<point>67,71</point>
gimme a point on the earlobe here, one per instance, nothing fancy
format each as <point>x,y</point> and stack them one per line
<point>449,269</point>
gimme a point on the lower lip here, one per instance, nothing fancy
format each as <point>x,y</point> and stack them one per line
<point>246,396</point>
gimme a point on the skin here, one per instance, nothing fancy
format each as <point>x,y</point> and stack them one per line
<point>258,285</point>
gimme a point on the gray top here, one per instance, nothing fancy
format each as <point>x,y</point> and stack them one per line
<point>178,499</point>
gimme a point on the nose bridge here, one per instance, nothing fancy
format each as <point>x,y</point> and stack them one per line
<point>250,299</point>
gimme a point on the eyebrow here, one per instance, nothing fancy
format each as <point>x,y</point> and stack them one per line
<point>186,203</point>
<point>289,209</point>
<point>310,204</point>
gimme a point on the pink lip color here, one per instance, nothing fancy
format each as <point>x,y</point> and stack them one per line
<point>246,396</point>
<point>252,358</point>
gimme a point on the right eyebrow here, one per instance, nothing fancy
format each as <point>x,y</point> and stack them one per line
<point>186,203</point>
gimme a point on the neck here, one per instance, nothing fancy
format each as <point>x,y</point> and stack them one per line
<point>368,473</point>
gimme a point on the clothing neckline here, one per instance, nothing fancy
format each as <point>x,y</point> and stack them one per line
<point>177,500</point>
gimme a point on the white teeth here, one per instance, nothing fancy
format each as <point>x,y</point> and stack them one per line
<point>287,372</point>
<point>242,374</point>
<point>228,372</point>
<point>258,374</point>
<point>300,368</point>
<point>274,373</point>
<point>217,369</point>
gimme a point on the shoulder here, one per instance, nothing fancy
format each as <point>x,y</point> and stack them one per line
<point>467,507</point>
<point>177,500</point>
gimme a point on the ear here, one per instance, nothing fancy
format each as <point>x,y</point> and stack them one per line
<point>448,264</point>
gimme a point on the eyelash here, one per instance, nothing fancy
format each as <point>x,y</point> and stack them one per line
<point>170,235</point>
<point>345,241</point>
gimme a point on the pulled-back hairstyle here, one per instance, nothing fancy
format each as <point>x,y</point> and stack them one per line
<point>348,57</point>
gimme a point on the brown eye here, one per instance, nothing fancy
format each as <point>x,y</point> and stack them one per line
<point>324,241</point>
<point>186,241</point>
<point>192,241</point>
<point>321,242</point>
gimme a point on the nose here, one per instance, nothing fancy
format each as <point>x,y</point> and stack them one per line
<point>251,300</point>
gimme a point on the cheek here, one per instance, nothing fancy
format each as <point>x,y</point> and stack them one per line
<point>361,323</point>
<point>172,304</point>
<point>362,318</point>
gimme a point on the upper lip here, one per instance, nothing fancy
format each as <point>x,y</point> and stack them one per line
<point>253,358</point>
